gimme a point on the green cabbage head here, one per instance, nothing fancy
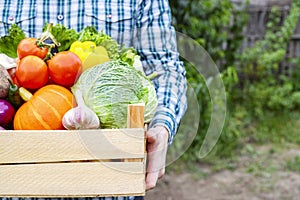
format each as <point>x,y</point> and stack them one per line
<point>108,88</point>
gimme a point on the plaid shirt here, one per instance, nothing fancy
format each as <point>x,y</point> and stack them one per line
<point>143,24</point>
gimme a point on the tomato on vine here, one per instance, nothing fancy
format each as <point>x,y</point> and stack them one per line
<point>28,46</point>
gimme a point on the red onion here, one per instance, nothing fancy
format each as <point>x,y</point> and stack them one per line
<point>7,113</point>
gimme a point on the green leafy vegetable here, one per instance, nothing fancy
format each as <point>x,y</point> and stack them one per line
<point>9,43</point>
<point>90,33</point>
<point>63,35</point>
<point>108,88</point>
<point>128,54</point>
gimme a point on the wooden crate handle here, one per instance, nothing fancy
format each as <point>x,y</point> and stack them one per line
<point>135,115</point>
<point>135,119</point>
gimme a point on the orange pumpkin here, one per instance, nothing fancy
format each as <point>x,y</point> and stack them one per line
<point>44,110</point>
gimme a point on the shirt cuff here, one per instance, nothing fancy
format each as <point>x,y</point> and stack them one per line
<point>164,117</point>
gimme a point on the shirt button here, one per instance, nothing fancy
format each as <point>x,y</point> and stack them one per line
<point>60,17</point>
<point>11,18</point>
<point>109,16</point>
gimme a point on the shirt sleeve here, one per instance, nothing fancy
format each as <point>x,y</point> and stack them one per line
<point>155,41</point>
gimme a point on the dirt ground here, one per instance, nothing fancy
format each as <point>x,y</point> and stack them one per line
<point>259,177</point>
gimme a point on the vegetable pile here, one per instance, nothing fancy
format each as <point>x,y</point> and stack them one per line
<point>41,77</point>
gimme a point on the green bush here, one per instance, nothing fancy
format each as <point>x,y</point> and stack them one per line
<point>263,87</point>
<point>264,57</point>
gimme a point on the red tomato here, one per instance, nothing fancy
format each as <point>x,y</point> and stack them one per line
<point>32,72</point>
<point>64,68</point>
<point>28,46</point>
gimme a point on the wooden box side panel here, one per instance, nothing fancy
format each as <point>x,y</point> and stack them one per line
<point>56,146</point>
<point>88,179</point>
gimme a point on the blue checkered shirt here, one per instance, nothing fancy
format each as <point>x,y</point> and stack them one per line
<point>143,24</point>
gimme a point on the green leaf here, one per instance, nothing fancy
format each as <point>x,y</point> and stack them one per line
<point>9,43</point>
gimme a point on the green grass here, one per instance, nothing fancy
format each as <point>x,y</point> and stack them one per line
<point>279,128</point>
<point>241,137</point>
<point>293,164</point>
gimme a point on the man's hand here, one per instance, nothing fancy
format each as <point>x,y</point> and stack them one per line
<point>157,144</point>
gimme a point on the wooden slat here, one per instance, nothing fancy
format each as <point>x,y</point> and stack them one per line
<point>72,180</point>
<point>296,36</point>
<point>55,146</point>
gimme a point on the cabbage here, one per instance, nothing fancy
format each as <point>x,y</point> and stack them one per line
<point>108,88</point>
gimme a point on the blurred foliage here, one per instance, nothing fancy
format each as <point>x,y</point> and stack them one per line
<point>265,55</point>
<point>216,24</point>
<point>264,87</point>
<point>293,164</point>
<point>262,104</point>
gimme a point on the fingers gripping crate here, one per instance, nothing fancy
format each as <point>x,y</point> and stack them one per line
<point>89,163</point>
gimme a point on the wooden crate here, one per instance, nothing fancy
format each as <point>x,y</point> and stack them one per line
<point>90,163</point>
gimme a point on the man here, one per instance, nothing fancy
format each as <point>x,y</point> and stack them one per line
<point>143,24</point>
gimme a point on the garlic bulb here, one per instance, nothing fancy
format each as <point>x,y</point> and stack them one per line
<point>80,117</point>
<point>7,62</point>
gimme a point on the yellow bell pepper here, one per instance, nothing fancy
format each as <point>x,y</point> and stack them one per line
<point>98,56</point>
<point>82,49</point>
<point>89,54</point>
